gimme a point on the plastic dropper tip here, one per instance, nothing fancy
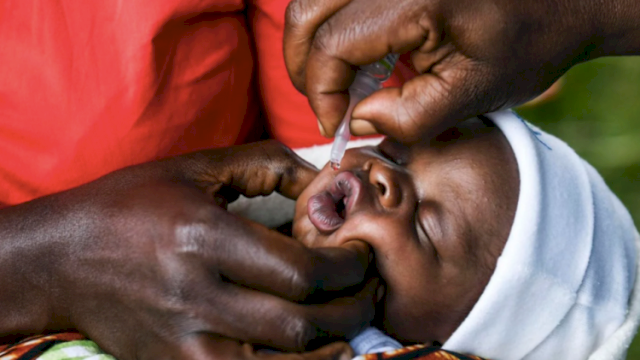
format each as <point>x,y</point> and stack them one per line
<point>335,165</point>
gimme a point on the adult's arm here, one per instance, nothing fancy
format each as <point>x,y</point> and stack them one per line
<point>473,56</point>
<point>146,263</point>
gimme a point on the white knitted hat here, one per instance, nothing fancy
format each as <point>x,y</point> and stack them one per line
<point>563,282</point>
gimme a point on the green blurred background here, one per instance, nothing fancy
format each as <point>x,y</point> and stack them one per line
<point>597,111</point>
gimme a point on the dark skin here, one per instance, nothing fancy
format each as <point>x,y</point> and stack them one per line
<point>473,56</point>
<point>436,214</point>
<point>147,263</point>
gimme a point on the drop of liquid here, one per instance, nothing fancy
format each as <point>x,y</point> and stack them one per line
<point>335,165</point>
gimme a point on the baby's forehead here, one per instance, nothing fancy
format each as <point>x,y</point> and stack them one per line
<point>468,151</point>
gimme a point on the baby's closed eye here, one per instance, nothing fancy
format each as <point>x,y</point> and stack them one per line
<point>427,224</point>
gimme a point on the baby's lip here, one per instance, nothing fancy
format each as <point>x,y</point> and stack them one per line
<point>322,208</point>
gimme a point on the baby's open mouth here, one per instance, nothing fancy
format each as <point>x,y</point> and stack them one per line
<point>329,209</point>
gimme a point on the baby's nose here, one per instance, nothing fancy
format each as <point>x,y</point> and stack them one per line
<point>383,178</point>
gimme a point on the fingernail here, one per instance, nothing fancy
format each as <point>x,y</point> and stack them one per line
<point>380,293</point>
<point>322,131</point>
<point>362,127</point>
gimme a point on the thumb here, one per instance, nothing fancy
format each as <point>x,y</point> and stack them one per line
<point>425,106</point>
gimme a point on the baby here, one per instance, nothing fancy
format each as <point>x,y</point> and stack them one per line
<point>493,239</point>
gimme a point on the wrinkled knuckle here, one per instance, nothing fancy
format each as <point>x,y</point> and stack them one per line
<point>282,158</point>
<point>324,40</point>
<point>405,121</point>
<point>295,15</point>
<point>271,159</point>
<point>193,235</point>
<point>300,331</point>
<point>190,237</point>
<point>302,283</point>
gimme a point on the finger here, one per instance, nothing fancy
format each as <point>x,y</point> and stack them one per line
<point>260,318</point>
<point>359,34</point>
<point>302,20</point>
<point>264,167</point>
<point>284,267</point>
<point>252,255</point>
<point>361,127</point>
<point>347,316</point>
<point>432,102</point>
<point>295,176</point>
<point>252,169</point>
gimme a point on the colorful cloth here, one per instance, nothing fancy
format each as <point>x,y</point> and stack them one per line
<point>33,347</point>
<point>73,346</point>
<point>417,352</point>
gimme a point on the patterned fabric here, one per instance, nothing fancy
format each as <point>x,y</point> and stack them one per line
<point>33,347</point>
<point>73,346</point>
<point>417,352</point>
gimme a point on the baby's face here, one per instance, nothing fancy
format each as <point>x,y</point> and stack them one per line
<point>436,215</point>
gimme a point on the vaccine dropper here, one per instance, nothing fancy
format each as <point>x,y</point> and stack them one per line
<point>369,78</point>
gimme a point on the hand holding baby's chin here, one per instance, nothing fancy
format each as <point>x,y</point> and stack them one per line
<point>145,263</point>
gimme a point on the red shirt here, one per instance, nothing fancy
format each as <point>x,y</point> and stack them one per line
<point>88,87</point>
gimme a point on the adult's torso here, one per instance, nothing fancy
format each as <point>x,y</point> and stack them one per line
<point>88,87</point>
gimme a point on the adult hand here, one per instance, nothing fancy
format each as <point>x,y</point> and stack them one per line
<point>145,263</point>
<point>473,56</point>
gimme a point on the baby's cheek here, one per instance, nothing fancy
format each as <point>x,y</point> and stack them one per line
<point>384,232</point>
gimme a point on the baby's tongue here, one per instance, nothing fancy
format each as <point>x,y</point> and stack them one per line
<point>323,212</point>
